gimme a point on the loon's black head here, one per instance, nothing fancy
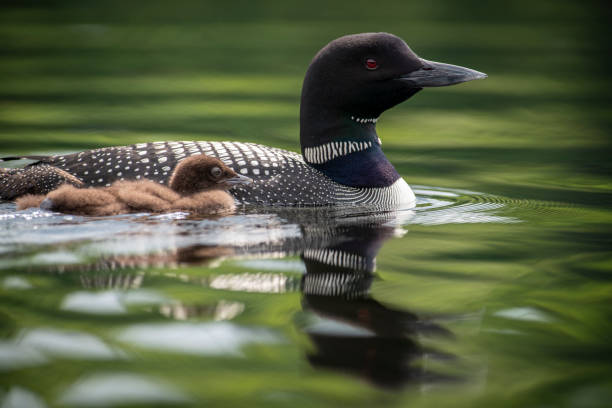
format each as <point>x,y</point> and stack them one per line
<point>349,83</point>
<point>357,77</point>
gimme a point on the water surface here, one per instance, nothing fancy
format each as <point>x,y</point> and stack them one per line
<point>433,302</point>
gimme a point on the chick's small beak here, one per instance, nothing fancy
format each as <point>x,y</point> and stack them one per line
<point>238,179</point>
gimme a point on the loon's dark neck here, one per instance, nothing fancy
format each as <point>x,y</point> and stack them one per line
<point>345,147</point>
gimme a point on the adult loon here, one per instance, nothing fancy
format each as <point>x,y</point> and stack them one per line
<point>198,184</point>
<point>348,85</point>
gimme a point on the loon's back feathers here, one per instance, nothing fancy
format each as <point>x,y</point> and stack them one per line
<point>39,178</point>
<point>348,85</point>
<point>280,177</point>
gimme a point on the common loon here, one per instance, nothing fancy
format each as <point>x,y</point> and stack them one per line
<point>198,184</point>
<point>348,85</point>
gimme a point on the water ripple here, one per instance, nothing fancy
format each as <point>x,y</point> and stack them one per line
<point>36,237</point>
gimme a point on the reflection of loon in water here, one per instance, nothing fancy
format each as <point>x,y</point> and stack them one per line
<point>351,331</point>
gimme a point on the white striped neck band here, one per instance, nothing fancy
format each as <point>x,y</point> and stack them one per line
<point>329,151</point>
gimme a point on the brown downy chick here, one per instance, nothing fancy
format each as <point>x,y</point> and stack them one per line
<point>80,201</point>
<point>203,182</point>
<point>198,184</point>
<point>83,201</point>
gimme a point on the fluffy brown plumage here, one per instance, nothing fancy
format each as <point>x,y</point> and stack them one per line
<point>198,184</point>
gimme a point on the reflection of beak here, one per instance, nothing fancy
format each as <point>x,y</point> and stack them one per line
<point>439,74</point>
<point>238,179</point>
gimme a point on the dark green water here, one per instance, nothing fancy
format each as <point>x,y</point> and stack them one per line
<point>495,291</point>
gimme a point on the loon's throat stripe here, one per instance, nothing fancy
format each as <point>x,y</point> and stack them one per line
<point>329,151</point>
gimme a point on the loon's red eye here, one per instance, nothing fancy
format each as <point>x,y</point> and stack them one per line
<point>371,63</point>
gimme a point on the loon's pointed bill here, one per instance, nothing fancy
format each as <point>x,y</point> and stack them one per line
<point>440,74</point>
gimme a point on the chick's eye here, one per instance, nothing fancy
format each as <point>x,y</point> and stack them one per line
<point>371,64</point>
<point>216,172</point>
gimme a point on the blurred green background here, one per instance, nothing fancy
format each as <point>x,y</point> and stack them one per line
<point>84,74</point>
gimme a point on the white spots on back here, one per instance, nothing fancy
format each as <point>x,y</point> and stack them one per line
<point>281,177</point>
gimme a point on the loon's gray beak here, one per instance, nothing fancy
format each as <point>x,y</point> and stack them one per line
<point>238,179</point>
<point>440,74</point>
